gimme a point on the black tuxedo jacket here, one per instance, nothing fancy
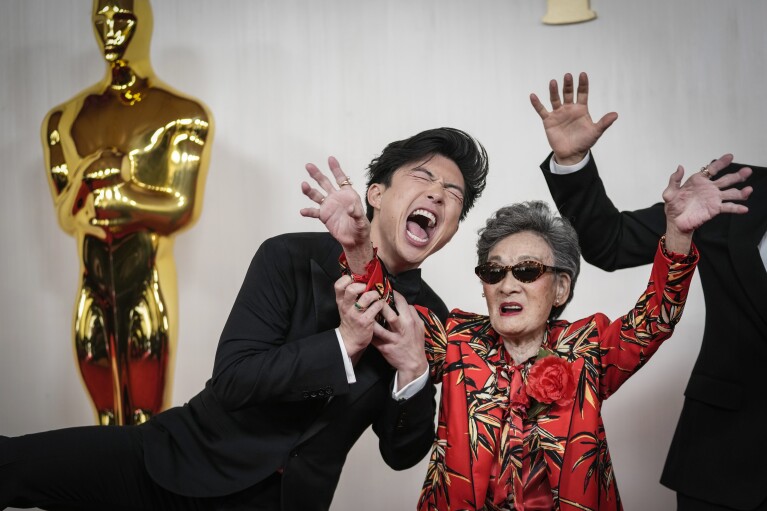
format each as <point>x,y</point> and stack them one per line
<point>279,396</point>
<point>718,451</point>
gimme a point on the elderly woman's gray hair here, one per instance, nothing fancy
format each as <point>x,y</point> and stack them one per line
<point>536,217</point>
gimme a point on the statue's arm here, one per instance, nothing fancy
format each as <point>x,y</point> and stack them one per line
<point>162,180</point>
<point>65,178</point>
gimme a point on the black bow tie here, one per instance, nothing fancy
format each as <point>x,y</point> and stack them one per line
<point>407,283</point>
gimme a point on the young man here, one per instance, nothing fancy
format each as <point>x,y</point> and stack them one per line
<point>298,374</point>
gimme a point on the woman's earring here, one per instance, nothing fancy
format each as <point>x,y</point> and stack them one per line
<point>483,294</point>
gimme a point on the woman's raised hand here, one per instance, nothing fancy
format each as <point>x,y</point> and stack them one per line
<point>701,198</point>
<point>339,206</point>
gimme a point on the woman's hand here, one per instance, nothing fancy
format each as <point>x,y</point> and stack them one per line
<point>699,199</point>
<point>340,209</point>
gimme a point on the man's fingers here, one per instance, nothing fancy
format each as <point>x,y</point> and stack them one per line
<point>606,121</point>
<point>382,335</point>
<point>347,283</point>
<point>554,95</point>
<point>365,300</point>
<point>391,333</point>
<point>538,106</point>
<point>400,302</point>
<point>391,317</point>
<point>371,311</point>
<point>567,89</point>
<point>583,89</point>
<point>403,313</point>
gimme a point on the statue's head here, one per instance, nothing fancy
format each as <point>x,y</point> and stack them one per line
<point>123,28</point>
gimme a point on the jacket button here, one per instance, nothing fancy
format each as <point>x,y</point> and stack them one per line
<point>293,454</point>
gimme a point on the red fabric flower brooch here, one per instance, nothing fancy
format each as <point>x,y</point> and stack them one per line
<point>551,379</point>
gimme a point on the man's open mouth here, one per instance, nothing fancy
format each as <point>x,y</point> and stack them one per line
<point>420,225</point>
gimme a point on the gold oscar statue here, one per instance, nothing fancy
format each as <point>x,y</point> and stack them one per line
<point>126,161</point>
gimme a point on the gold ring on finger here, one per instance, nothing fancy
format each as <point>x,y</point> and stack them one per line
<point>705,172</point>
<point>345,182</point>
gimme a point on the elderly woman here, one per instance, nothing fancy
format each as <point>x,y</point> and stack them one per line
<point>520,422</point>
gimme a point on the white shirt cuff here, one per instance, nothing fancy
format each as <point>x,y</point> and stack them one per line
<point>411,389</point>
<point>348,366</point>
<point>556,168</point>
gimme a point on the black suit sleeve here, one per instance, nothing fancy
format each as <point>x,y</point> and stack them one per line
<point>257,360</point>
<point>609,239</point>
<point>405,429</point>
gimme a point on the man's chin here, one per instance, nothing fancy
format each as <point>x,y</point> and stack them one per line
<point>414,256</point>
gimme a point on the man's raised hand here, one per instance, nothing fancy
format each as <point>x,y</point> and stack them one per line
<point>569,128</point>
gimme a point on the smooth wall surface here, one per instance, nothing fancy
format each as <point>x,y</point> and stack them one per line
<point>293,81</point>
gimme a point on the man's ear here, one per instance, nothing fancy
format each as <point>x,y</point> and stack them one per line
<point>375,191</point>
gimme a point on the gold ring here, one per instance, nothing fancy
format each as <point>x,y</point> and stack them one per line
<point>705,172</point>
<point>321,201</point>
<point>345,182</point>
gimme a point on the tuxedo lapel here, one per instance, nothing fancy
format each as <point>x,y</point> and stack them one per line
<point>325,309</point>
<point>745,233</point>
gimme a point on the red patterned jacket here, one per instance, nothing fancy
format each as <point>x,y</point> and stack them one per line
<point>481,441</point>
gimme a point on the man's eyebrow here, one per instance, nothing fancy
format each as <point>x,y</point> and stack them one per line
<point>425,171</point>
<point>434,178</point>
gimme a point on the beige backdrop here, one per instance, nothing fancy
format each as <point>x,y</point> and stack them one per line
<point>293,81</point>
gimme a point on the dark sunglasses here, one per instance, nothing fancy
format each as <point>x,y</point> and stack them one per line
<point>525,271</point>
